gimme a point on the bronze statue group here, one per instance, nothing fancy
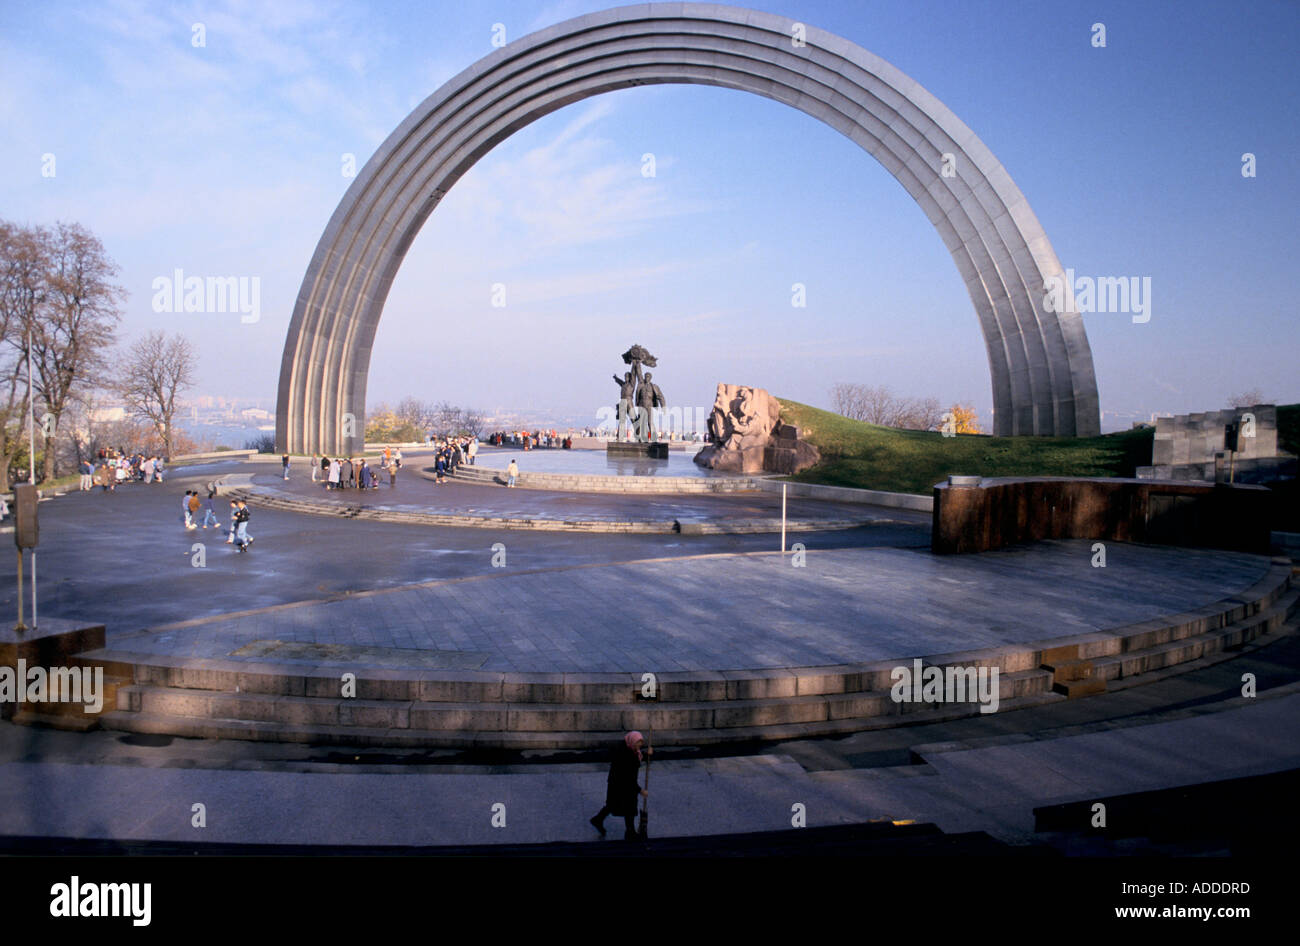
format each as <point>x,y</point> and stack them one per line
<point>638,396</point>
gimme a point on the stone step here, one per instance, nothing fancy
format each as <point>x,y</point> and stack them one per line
<point>52,716</point>
<point>68,715</point>
<point>1186,649</point>
<point>603,483</point>
<point>531,717</point>
<point>648,527</point>
<point>255,700</point>
<point>472,686</point>
<point>325,734</point>
<point>1077,687</point>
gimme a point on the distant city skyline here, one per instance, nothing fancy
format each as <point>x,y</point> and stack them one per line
<point>224,161</point>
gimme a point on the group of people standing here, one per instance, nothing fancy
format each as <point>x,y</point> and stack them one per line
<point>530,439</point>
<point>114,468</point>
<point>451,452</point>
<point>349,473</point>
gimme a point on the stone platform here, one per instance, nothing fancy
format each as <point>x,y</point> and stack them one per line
<point>533,659</point>
<point>634,449</point>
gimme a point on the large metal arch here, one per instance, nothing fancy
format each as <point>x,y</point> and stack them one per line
<point>1039,360</point>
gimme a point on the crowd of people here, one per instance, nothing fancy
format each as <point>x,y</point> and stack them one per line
<point>112,468</point>
<point>352,472</point>
<point>528,439</point>
<point>451,452</point>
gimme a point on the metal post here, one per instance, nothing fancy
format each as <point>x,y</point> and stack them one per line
<point>20,626</point>
<point>31,456</point>
<point>783,519</point>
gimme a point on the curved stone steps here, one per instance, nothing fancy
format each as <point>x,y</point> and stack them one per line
<point>335,734</point>
<point>288,702</point>
<point>1170,653</point>
<point>641,526</point>
<point>536,716</point>
<point>597,483</point>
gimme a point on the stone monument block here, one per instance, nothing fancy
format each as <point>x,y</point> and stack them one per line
<point>748,436</point>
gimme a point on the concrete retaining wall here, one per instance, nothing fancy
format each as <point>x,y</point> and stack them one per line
<point>190,458</point>
<point>606,484</point>
<point>845,494</point>
<point>994,513</point>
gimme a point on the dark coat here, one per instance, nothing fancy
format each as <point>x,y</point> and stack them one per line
<point>622,789</point>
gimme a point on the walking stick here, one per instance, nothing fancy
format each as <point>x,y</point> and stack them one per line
<point>645,817</point>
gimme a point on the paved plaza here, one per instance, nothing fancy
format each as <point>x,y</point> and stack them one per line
<point>992,788</point>
<point>732,611</point>
<point>105,557</point>
<point>378,594</point>
<point>325,590</point>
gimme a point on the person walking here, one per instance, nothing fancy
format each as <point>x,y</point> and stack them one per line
<point>392,474</point>
<point>512,471</point>
<point>234,522</point>
<point>192,510</point>
<point>158,469</point>
<point>87,475</point>
<point>242,515</point>
<point>621,789</point>
<point>285,460</point>
<point>208,511</point>
<point>315,467</point>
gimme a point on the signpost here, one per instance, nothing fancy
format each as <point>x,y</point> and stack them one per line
<point>26,536</point>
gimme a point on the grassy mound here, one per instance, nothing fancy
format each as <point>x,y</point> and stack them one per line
<point>867,456</point>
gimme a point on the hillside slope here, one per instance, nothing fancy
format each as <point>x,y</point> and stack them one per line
<point>868,456</point>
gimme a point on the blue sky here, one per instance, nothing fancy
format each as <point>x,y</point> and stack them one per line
<point>226,160</point>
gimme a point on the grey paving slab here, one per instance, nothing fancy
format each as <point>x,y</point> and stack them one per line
<point>993,789</point>
<point>735,611</point>
<point>123,558</point>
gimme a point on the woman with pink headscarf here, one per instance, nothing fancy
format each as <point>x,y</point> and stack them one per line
<point>622,788</point>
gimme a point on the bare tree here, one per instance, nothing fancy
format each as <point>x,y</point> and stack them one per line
<point>846,400</point>
<point>24,267</point>
<point>156,370</point>
<point>919,414</point>
<point>417,413</point>
<point>446,417</point>
<point>77,322</point>
<point>1248,398</point>
<point>471,420</point>
<point>879,405</point>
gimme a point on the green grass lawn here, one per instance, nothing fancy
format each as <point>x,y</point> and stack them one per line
<point>867,456</point>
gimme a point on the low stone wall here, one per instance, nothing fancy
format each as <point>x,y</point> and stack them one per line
<point>994,513</point>
<point>190,458</point>
<point>584,483</point>
<point>599,443</point>
<point>845,494</point>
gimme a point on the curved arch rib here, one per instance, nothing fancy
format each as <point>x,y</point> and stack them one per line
<point>1040,362</point>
